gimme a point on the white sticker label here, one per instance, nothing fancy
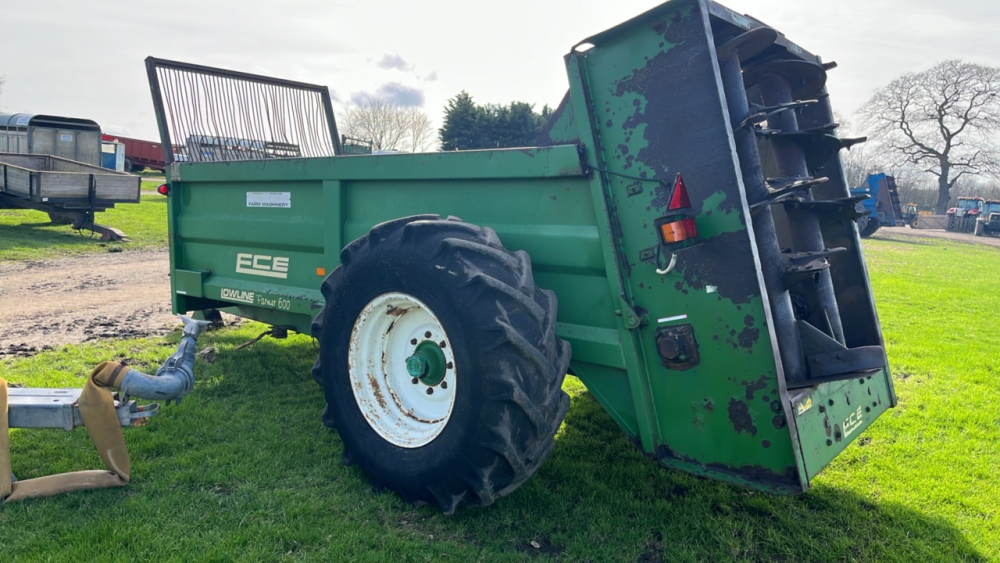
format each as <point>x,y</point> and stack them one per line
<point>261,265</point>
<point>269,199</point>
<point>66,138</point>
<point>237,295</point>
<point>804,406</point>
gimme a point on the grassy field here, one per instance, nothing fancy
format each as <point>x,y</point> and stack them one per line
<point>244,470</point>
<point>28,235</point>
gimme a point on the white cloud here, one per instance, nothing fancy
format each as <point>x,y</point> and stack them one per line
<point>394,93</point>
<point>393,61</point>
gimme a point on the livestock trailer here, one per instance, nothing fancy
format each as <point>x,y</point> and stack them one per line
<point>66,137</point>
<point>681,239</point>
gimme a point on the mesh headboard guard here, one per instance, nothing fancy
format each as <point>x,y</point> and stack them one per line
<point>209,114</point>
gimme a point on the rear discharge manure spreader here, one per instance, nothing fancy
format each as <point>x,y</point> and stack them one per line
<point>681,239</point>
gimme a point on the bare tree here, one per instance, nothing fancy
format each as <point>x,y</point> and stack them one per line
<point>387,126</point>
<point>941,120</point>
<point>421,133</point>
<point>859,160</point>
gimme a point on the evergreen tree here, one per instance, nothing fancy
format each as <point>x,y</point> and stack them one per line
<point>462,124</point>
<point>471,126</point>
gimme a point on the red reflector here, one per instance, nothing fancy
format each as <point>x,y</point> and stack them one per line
<point>163,189</point>
<point>679,197</point>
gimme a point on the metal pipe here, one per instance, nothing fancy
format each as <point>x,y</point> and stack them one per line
<point>807,235</point>
<point>175,378</point>
<point>772,271</point>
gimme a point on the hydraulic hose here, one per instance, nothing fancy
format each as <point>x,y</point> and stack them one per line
<point>171,382</point>
<point>97,410</point>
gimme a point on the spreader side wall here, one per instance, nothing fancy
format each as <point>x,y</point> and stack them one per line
<point>537,200</point>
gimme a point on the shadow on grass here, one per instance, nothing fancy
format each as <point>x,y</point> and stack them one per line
<point>597,497</point>
<point>34,235</point>
<point>597,484</point>
<point>908,239</point>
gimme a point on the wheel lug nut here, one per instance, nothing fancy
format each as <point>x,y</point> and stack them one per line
<point>443,344</point>
<point>450,365</point>
<point>415,381</point>
<point>444,384</point>
<point>413,341</point>
<point>427,334</point>
<point>430,390</point>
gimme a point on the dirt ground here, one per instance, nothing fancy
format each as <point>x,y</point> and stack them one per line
<point>888,232</point>
<point>72,300</point>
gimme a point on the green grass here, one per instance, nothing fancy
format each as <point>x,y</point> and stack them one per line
<point>28,235</point>
<point>243,469</point>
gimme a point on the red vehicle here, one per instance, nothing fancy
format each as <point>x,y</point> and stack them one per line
<point>961,218</point>
<point>139,154</point>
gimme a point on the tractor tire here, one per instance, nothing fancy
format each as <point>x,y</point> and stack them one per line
<point>475,415</point>
<point>867,226</point>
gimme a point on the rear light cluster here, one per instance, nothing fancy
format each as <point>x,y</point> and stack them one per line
<point>163,189</point>
<point>679,226</point>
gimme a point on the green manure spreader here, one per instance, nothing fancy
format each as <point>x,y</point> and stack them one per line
<point>681,239</point>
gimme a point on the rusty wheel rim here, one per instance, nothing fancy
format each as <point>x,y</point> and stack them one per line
<point>407,411</point>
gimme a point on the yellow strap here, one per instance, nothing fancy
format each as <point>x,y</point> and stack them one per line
<point>97,408</point>
<point>4,443</point>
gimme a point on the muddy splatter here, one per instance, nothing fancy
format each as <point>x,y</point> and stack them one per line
<point>725,261</point>
<point>753,387</point>
<point>739,415</point>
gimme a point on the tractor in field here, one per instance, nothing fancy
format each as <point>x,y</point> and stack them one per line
<point>912,214</point>
<point>681,239</point>
<point>881,207</point>
<point>962,218</point>
<point>988,222</point>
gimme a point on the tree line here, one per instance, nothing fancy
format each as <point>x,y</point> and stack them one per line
<point>935,131</point>
<point>466,125</point>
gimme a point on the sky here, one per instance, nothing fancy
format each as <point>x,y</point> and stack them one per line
<point>85,59</point>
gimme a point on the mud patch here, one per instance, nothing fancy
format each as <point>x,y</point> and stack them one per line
<point>541,546</point>
<point>45,304</point>
<point>21,350</point>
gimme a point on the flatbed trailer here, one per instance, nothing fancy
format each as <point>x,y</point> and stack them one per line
<point>69,191</point>
<point>686,210</point>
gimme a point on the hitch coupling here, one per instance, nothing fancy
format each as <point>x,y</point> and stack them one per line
<point>170,383</point>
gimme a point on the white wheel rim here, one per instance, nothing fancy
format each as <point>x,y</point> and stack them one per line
<point>385,334</point>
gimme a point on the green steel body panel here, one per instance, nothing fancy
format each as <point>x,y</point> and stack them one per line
<point>644,104</point>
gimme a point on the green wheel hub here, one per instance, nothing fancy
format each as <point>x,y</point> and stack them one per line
<point>427,363</point>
